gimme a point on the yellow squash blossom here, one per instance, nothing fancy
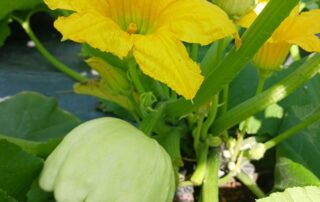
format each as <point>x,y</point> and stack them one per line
<point>297,29</point>
<point>152,30</point>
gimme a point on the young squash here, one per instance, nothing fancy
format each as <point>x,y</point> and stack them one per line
<point>108,160</point>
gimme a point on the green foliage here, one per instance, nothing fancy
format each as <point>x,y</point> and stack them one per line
<point>305,194</point>
<point>296,164</point>
<point>5,198</point>
<point>7,7</point>
<point>4,30</point>
<point>32,116</point>
<point>36,194</point>
<point>34,122</point>
<point>17,170</point>
<point>17,5</point>
<point>30,122</point>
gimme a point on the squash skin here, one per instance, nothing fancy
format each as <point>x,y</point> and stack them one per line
<point>108,160</point>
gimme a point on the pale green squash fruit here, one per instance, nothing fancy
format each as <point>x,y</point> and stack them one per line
<point>108,160</point>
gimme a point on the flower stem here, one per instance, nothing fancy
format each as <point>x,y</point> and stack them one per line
<point>211,117</point>
<point>225,99</point>
<point>197,133</point>
<point>195,52</point>
<point>248,182</point>
<point>148,124</point>
<point>133,71</point>
<point>54,61</point>
<point>261,82</point>
<point>200,172</point>
<point>292,131</point>
<point>210,188</point>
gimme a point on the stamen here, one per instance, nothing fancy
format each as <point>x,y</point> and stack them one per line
<point>132,28</point>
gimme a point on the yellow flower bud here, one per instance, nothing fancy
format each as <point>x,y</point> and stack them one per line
<point>236,8</point>
<point>271,56</point>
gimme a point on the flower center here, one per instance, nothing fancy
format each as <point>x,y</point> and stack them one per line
<point>132,28</point>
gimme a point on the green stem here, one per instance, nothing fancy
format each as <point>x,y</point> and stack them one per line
<point>252,186</point>
<point>295,53</point>
<point>210,188</point>
<point>197,133</point>
<point>133,71</point>
<point>148,124</point>
<point>292,131</point>
<point>263,27</point>
<point>225,99</point>
<point>243,131</point>
<point>56,63</point>
<point>195,52</point>
<point>200,172</point>
<point>226,178</point>
<point>261,82</point>
<point>279,91</point>
<point>211,118</point>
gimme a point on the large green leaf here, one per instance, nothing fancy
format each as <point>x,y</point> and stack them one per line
<point>34,120</point>
<point>9,6</point>
<point>36,194</point>
<point>297,159</point>
<point>303,194</point>
<point>17,170</point>
<point>5,198</point>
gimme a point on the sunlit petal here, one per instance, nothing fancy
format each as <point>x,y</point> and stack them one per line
<point>100,6</point>
<point>165,59</point>
<point>97,31</point>
<point>196,21</point>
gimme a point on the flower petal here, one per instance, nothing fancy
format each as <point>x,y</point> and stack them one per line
<point>309,43</point>
<point>97,31</point>
<point>303,30</point>
<point>196,21</point>
<point>164,58</point>
<point>79,5</point>
<point>248,19</point>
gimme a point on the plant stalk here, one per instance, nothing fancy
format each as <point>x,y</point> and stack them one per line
<point>292,131</point>
<point>252,186</point>
<point>54,61</point>
<point>271,96</point>
<point>263,27</point>
<point>210,188</point>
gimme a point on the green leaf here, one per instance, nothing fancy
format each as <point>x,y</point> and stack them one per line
<point>296,164</point>
<point>4,31</point>
<point>289,173</point>
<point>35,120</point>
<point>9,6</point>
<point>36,194</point>
<point>305,194</point>
<point>5,198</point>
<point>17,170</point>
<point>296,158</point>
